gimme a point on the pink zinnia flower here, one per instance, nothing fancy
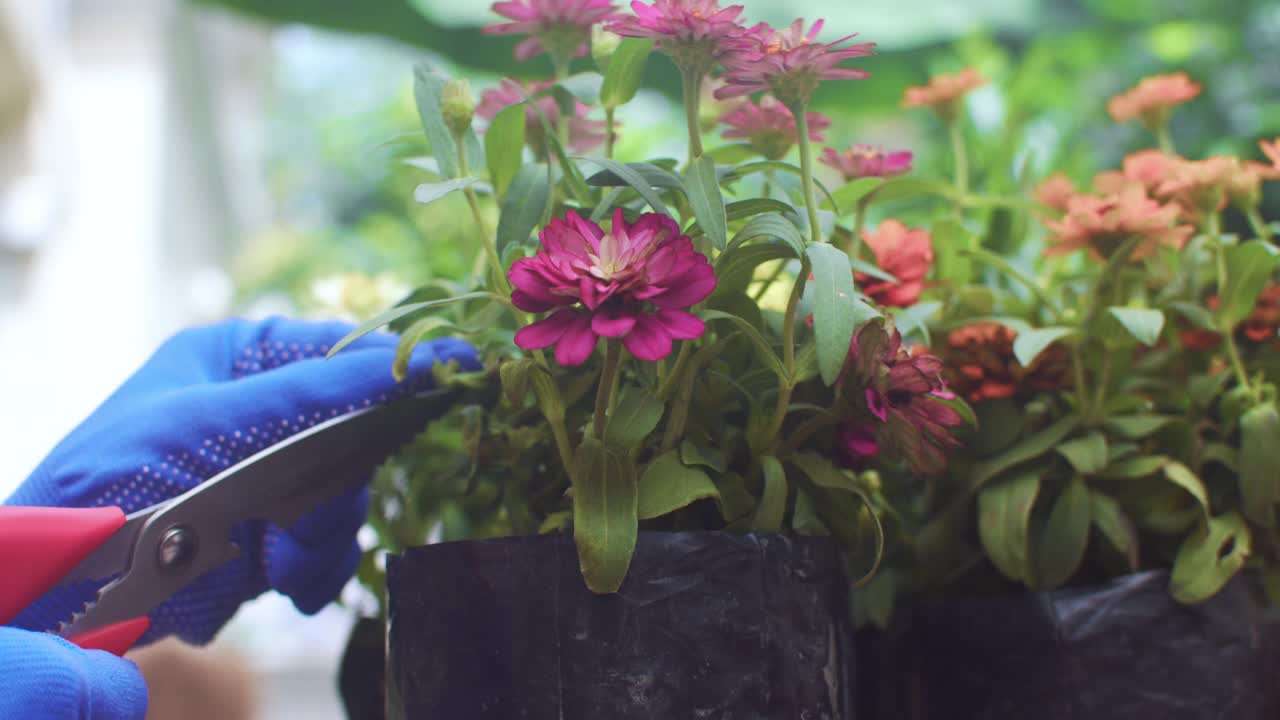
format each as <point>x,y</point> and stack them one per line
<point>790,63</point>
<point>857,444</point>
<point>944,92</point>
<point>633,283</point>
<point>861,161</point>
<point>1152,98</point>
<point>695,33</point>
<point>1144,168</point>
<point>1055,191</point>
<point>770,127</point>
<point>906,254</point>
<point>584,133</point>
<point>1200,186</point>
<point>560,27</point>
<point>1102,224</point>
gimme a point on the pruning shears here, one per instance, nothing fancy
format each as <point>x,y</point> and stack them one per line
<point>151,554</point>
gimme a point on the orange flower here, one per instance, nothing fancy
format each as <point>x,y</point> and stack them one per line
<point>980,364</point>
<point>1152,98</point>
<point>1054,192</point>
<point>905,254</point>
<point>1145,168</point>
<point>1200,186</point>
<point>1102,224</point>
<point>944,92</point>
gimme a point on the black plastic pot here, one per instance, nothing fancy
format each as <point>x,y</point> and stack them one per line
<point>362,672</point>
<point>707,625</point>
<point>1121,651</point>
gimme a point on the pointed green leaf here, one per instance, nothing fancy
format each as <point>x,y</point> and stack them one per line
<point>397,312</point>
<point>409,340</point>
<point>1066,535</point>
<point>1136,426</point>
<point>427,88</point>
<point>635,416</point>
<point>847,195</point>
<point>692,453</point>
<point>631,177</point>
<point>763,350</point>
<point>904,188</point>
<point>523,205</point>
<point>605,521</point>
<point>430,192</point>
<point>741,171</point>
<point>584,86</point>
<point>1086,454</point>
<point>770,225</point>
<point>504,146</point>
<point>1260,463</point>
<point>707,202</point>
<point>656,176</point>
<point>1115,526</point>
<point>1142,323</point>
<point>668,485</point>
<point>837,311</point>
<point>514,375</point>
<point>1181,475</point>
<point>1136,467</point>
<point>1209,557</point>
<point>1026,449</point>
<point>1004,516</point>
<point>773,500</point>
<point>1249,267</point>
<point>1029,344</point>
<point>626,68</point>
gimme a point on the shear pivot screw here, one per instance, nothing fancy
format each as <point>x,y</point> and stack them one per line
<point>177,547</point>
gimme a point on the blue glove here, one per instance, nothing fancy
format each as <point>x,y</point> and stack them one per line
<point>207,399</point>
<point>49,678</point>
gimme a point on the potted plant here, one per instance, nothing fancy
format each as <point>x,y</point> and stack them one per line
<point>710,407</point>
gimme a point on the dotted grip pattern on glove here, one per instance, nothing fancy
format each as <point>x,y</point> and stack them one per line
<point>207,399</point>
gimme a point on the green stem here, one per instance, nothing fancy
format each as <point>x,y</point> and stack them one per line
<point>1100,395</point>
<point>490,245</point>
<point>859,219</point>
<point>1077,368</point>
<point>608,132</point>
<point>806,171</point>
<point>1214,230</point>
<point>679,415</point>
<point>961,163</point>
<point>608,376</point>
<point>682,359</point>
<point>774,428</point>
<point>1163,139</point>
<point>1259,225</point>
<point>562,443</point>
<point>692,82</point>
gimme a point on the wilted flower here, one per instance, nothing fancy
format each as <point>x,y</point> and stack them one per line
<point>584,133</point>
<point>1152,99</point>
<point>856,443</point>
<point>944,92</point>
<point>902,390</point>
<point>789,63</point>
<point>867,161</point>
<point>633,282</point>
<point>695,33</point>
<point>769,127</point>
<point>981,365</point>
<point>1055,191</point>
<point>906,254</point>
<point>558,27</point>
<point>1103,224</point>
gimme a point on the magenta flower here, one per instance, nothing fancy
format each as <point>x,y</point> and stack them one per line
<point>633,283</point>
<point>696,33</point>
<point>585,134</point>
<point>861,161</point>
<point>790,63</point>
<point>857,444</point>
<point>769,127</point>
<point>559,27</point>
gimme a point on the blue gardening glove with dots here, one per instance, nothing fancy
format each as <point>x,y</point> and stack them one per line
<point>48,678</point>
<point>207,399</point>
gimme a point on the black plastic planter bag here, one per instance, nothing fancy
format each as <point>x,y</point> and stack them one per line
<point>707,625</point>
<point>362,672</point>
<point>1121,651</point>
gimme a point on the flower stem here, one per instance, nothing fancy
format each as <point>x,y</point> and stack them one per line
<point>811,427</point>
<point>787,385</point>
<point>1163,139</point>
<point>859,219</point>
<point>1214,230</point>
<point>961,163</point>
<point>490,244</point>
<point>1077,368</point>
<point>692,81</point>
<point>806,172</point>
<point>1100,395</point>
<point>608,132</point>
<point>1259,225</point>
<point>605,391</point>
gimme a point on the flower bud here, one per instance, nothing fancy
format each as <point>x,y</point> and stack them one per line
<point>603,45</point>
<point>457,105</point>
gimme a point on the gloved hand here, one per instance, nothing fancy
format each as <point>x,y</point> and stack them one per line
<point>48,677</point>
<point>207,399</point>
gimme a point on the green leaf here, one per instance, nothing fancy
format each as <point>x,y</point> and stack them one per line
<point>1115,526</point>
<point>740,209</point>
<point>1136,426</point>
<point>805,519</point>
<point>1028,345</point>
<point>837,311</point>
<point>741,171</point>
<point>1086,454</point>
<point>427,88</point>
<point>916,319</point>
<point>1249,267</point>
<point>626,68</point>
<point>903,188</point>
<point>1066,535</point>
<point>636,415</point>
<point>824,474</point>
<point>504,146</point>
<point>1143,324</point>
<point>707,202</point>
<point>736,267</point>
<point>514,375</point>
<point>584,86</point>
<point>1133,468</point>
<point>430,192</point>
<point>631,177</point>
<point>758,341</point>
<point>1181,475</point>
<point>409,340</point>
<point>772,226</point>
<point>1004,515</point>
<point>397,312</point>
<point>605,520</point>
<point>865,267</point>
<point>656,176</point>
<point>1195,314</point>
<point>1209,557</point>
<point>734,501</point>
<point>523,206</point>
<point>668,485</point>
<point>1260,463</point>
<point>847,195</point>
<point>773,501</point>
<point>952,243</point>
<point>692,453</point>
<point>1026,449</point>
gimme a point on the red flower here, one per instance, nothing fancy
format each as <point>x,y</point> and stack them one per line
<point>770,127</point>
<point>861,161</point>
<point>585,134</point>
<point>906,254</point>
<point>633,283</point>
<point>1152,98</point>
<point>562,27</point>
<point>981,364</point>
<point>790,63</point>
